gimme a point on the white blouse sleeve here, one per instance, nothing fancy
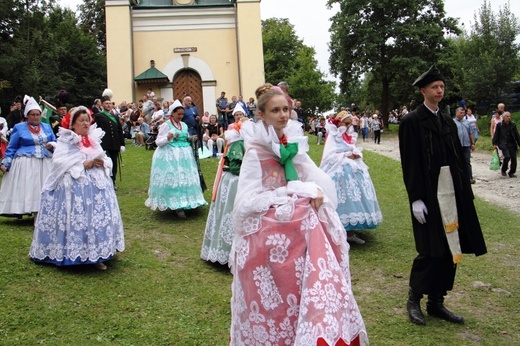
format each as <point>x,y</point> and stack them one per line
<point>253,199</point>
<point>162,136</point>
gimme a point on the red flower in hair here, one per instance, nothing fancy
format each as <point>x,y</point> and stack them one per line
<point>65,121</point>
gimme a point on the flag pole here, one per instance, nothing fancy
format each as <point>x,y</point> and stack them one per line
<point>48,105</point>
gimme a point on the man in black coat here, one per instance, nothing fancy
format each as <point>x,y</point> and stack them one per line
<point>16,115</point>
<point>428,140</point>
<point>506,138</point>
<point>113,142</point>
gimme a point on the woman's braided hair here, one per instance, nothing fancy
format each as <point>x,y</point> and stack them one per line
<point>264,93</point>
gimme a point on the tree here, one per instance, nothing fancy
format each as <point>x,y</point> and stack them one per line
<point>281,47</point>
<point>488,58</point>
<point>21,21</point>
<point>43,51</point>
<point>92,20</point>
<point>82,66</point>
<point>286,58</point>
<point>394,40</point>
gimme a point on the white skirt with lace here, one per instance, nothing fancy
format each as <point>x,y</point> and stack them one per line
<point>20,192</point>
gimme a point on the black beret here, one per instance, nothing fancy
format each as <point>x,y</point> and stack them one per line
<point>432,75</point>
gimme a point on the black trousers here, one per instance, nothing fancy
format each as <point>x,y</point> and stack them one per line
<point>509,155</point>
<point>377,136</point>
<point>433,275</point>
<point>113,154</point>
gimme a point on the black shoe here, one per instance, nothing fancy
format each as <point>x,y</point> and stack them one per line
<point>413,306</point>
<point>353,238</point>
<point>180,213</point>
<point>512,175</point>
<point>436,308</point>
<point>472,181</point>
<point>504,174</point>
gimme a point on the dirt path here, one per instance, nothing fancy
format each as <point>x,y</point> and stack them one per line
<point>490,185</point>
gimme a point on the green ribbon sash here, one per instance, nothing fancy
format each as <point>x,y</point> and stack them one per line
<point>287,153</point>
<point>110,116</point>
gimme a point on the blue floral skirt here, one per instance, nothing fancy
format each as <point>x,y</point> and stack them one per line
<point>79,222</point>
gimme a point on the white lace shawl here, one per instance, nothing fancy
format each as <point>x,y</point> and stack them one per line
<point>253,199</point>
<point>337,152</point>
<point>335,142</point>
<point>69,156</point>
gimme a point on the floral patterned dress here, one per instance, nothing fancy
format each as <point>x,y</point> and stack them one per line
<point>290,262</point>
<point>79,221</point>
<point>219,232</point>
<point>174,177</point>
<point>358,208</point>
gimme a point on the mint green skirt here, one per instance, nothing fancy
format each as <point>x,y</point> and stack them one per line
<point>174,180</point>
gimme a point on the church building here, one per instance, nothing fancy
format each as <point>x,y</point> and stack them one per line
<point>184,47</point>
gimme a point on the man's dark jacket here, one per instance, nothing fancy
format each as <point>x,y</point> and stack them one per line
<point>426,145</point>
<point>113,138</point>
<point>506,136</point>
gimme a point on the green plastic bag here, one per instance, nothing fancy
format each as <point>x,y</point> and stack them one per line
<point>495,161</point>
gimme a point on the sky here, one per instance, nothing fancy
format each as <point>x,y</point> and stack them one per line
<point>311,18</point>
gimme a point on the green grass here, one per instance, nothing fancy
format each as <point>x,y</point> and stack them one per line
<point>159,292</point>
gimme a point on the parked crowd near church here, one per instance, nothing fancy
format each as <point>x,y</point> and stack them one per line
<point>266,184</point>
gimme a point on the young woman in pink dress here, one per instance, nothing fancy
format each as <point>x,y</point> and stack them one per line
<point>290,262</point>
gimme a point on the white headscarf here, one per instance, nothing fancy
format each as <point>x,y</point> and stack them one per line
<point>174,105</point>
<point>239,108</point>
<point>30,104</point>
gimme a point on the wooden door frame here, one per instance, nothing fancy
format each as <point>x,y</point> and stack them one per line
<point>196,95</point>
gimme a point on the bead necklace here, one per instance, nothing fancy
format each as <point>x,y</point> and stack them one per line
<point>34,129</point>
<point>176,124</point>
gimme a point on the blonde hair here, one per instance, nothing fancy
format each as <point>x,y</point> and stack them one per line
<point>341,114</point>
<point>266,92</point>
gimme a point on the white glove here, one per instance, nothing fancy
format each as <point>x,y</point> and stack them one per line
<point>419,211</point>
<point>122,149</point>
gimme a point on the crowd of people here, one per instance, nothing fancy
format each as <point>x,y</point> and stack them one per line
<point>365,124</point>
<point>281,223</point>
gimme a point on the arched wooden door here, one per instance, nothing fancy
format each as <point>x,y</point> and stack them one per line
<point>188,82</point>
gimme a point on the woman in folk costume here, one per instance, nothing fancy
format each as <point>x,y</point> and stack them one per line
<point>79,220</point>
<point>27,163</point>
<point>358,208</point>
<point>219,232</point>
<point>290,262</point>
<point>174,177</point>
